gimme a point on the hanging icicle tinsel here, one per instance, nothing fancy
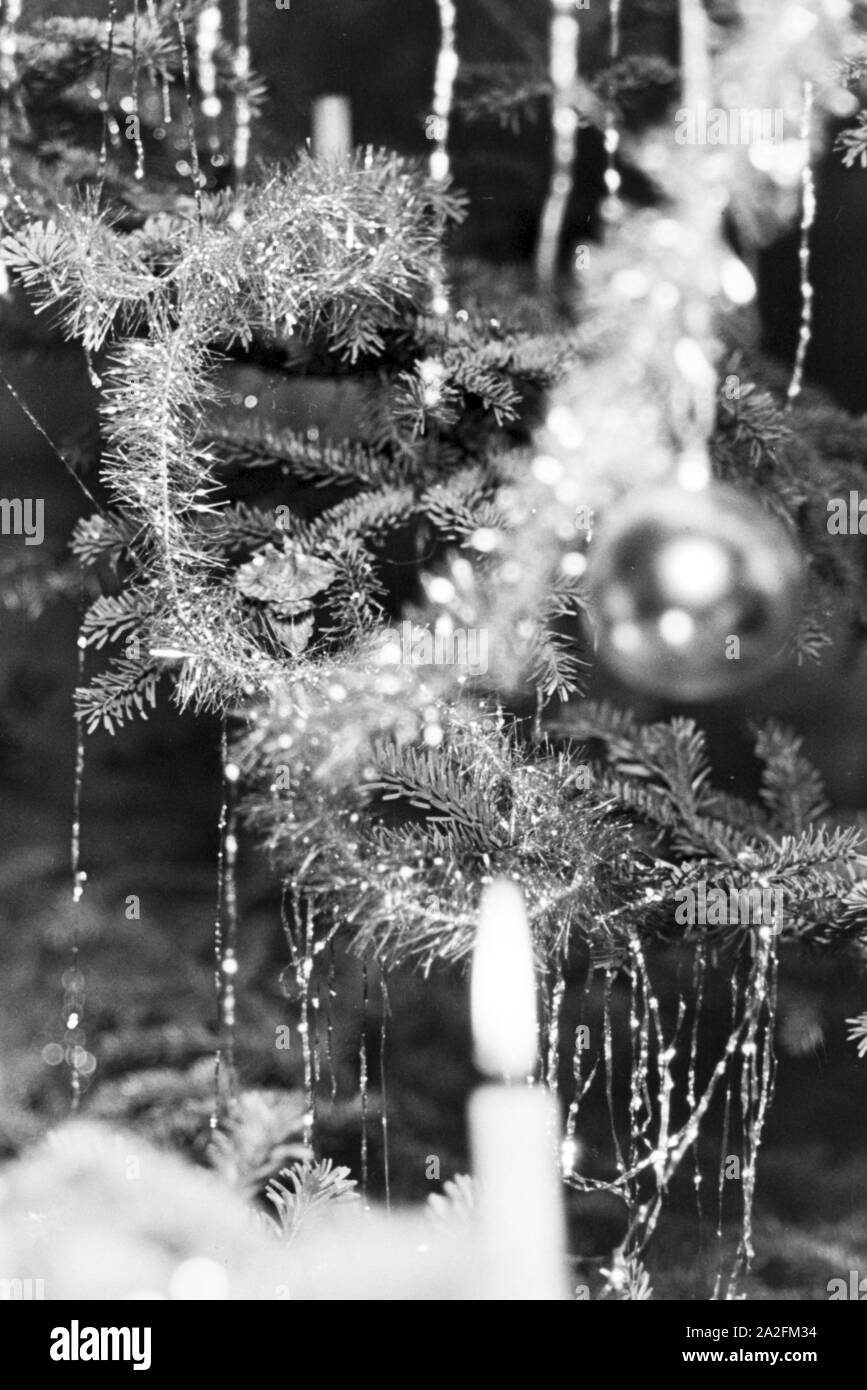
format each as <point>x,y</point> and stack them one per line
<point>363,1084</point>
<point>194,167</point>
<point>208,34</point>
<point>225,940</point>
<point>330,995</point>
<point>657,1143</point>
<point>383,1089</point>
<point>563,70</point>
<point>438,128</point>
<point>135,98</point>
<point>8,80</point>
<point>432,368</point>
<point>612,207</point>
<point>165,81</point>
<point>101,95</point>
<point>444,87</point>
<point>808,217</point>
<point>77,1058</point>
<point>303,910</point>
<point>243,113</point>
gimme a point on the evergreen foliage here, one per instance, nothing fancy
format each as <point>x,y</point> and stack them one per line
<point>256,570</point>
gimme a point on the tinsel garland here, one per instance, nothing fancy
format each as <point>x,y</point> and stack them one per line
<point>294,258</point>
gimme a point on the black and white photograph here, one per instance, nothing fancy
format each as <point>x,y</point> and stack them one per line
<point>433,667</point>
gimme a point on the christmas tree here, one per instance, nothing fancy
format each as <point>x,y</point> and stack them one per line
<point>381,515</point>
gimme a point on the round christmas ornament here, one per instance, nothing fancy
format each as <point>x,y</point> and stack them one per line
<point>697,593</point>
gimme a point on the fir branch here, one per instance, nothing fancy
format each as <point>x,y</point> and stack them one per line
<point>858,1033</point>
<point>673,755</point>
<point>309,1189</point>
<point>692,836</point>
<point>451,795</point>
<point>505,92</point>
<point>117,693</point>
<point>791,787</point>
<point>529,357</point>
<point>754,421</point>
<point>552,666</point>
<point>474,377</point>
<point>456,1203</point>
<point>417,403</point>
<point>58,52</point>
<point>463,504</point>
<point>811,639</point>
<point>242,527</point>
<point>852,142</point>
<point>80,268</point>
<point>102,537</point>
<point>368,516</point>
<point>262,1131</point>
<point>354,596</point>
<point>342,463</point>
<point>110,617</point>
<point>815,846</point>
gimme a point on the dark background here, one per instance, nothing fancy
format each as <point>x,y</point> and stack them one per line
<point>381,53</point>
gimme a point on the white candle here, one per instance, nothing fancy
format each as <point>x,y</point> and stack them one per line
<point>514,1128</point>
<point>332,127</point>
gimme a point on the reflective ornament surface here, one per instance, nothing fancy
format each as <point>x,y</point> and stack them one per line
<point>696,594</point>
